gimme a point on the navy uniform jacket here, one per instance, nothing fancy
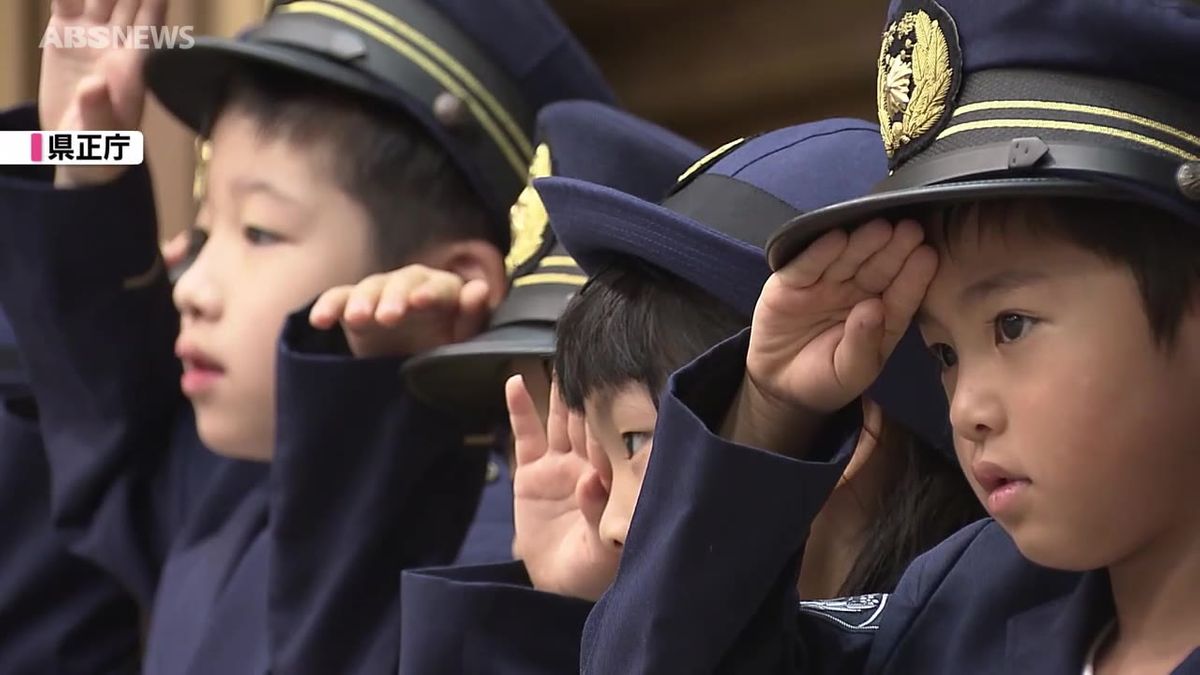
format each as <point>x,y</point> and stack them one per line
<point>487,619</point>
<point>491,535</point>
<point>59,614</point>
<point>707,579</point>
<point>291,567</point>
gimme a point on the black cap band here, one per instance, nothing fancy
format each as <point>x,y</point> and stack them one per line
<point>1013,123</point>
<point>733,207</point>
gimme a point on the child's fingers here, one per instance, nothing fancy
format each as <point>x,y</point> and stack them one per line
<point>472,310</point>
<point>906,293</point>
<point>98,11</point>
<point>328,309</point>
<point>556,424</point>
<point>360,307</point>
<point>438,289</point>
<point>95,104</point>
<point>397,288</point>
<point>864,242</point>
<point>66,9</point>
<point>529,439</point>
<point>124,12</point>
<point>577,434</point>
<point>806,269</point>
<point>597,458</point>
<point>877,273</point>
<point>175,249</point>
<point>151,13</point>
<point>856,359</point>
<point>592,497</point>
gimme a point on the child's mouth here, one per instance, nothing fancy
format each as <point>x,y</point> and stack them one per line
<point>1003,488</point>
<point>200,371</point>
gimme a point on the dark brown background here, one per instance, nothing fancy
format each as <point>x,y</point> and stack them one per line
<point>710,69</point>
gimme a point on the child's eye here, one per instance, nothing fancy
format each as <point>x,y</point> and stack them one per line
<point>260,237</point>
<point>944,354</point>
<point>1011,327</point>
<point>635,441</point>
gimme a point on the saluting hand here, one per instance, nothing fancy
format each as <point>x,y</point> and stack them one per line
<point>558,499</point>
<point>94,89</point>
<point>824,326</point>
<point>408,311</point>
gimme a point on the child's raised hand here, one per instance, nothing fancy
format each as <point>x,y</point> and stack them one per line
<point>84,88</point>
<point>558,498</point>
<point>175,249</point>
<point>408,311</point>
<point>824,326</point>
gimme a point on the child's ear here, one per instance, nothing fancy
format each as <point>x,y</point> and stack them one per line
<point>868,441</point>
<point>472,259</point>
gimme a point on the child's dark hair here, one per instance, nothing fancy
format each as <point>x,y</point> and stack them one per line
<point>406,182</point>
<point>636,323</point>
<point>1160,250</point>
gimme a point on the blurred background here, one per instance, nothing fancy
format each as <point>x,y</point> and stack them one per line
<point>712,70</point>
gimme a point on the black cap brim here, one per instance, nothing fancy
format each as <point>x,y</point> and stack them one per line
<point>797,234</point>
<point>468,377</point>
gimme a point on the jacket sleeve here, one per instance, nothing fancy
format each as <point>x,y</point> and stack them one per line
<point>708,574</point>
<point>83,285</point>
<point>58,612</point>
<point>487,619</point>
<point>365,482</point>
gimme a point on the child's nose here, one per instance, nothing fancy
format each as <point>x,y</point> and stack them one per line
<point>195,294</point>
<point>975,412</point>
<point>614,526</point>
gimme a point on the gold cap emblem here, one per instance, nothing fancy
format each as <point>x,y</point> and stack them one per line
<point>527,217</point>
<point>200,176</point>
<point>916,79</point>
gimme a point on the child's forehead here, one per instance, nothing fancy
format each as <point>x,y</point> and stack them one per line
<point>248,150</point>
<point>993,221</point>
<point>1010,231</point>
<point>989,247</point>
<point>622,396</point>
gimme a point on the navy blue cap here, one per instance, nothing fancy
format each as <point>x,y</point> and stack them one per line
<point>12,376</point>
<point>1052,98</point>
<point>711,230</point>
<point>473,73</point>
<point>583,140</point>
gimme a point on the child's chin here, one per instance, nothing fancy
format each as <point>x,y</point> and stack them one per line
<point>1048,547</point>
<point>223,438</point>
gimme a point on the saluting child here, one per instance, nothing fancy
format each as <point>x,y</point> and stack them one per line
<point>668,282</point>
<point>581,139</point>
<point>344,144</point>
<point>1052,269</point>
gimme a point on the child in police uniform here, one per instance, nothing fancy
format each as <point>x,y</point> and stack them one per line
<point>586,140</point>
<point>668,282</point>
<point>338,150</point>
<point>1052,269</point>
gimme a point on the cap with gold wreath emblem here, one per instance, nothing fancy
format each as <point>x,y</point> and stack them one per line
<point>1052,98</point>
<point>580,139</point>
